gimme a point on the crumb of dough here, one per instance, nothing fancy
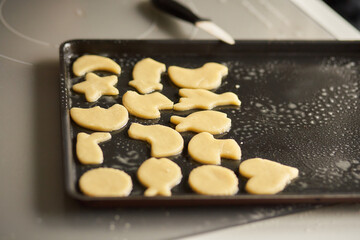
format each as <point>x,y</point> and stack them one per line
<point>213,180</point>
<point>146,106</point>
<point>164,141</point>
<point>204,99</point>
<point>208,76</point>
<point>105,182</point>
<point>146,74</point>
<point>210,121</point>
<point>95,86</point>
<point>89,63</point>
<point>88,150</point>
<point>100,119</point>
<point>204,148</point>
<point>265,176</point>
<point>159,176</point>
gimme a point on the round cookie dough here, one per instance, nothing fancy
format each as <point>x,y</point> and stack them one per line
<point>105,182</point>
<point>213,180</point>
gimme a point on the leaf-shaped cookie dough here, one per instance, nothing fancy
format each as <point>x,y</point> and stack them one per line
<point>210,121</point>
<point>159,176</point>
<point>95,86</point>
<point>146,106</point>
<point>204,99</point>
<point>100,119</point>
<point>164,141</point>
<point>204,148</point>
<point>87,147</point>
<point>146,74</point>
<point>208,76</point>
<point>265,176</point>
<point>89,63</point>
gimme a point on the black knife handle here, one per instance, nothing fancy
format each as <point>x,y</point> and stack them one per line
<point>176,9</point>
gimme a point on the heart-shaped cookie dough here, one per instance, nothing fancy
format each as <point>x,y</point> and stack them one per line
<point>265,176</point>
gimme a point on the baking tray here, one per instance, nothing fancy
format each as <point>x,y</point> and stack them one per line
<point>300,107</point>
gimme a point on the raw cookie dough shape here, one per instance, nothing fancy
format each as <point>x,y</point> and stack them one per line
<point>204,99</point>
<point>159,176</point>
<point>208,76</point>
<point>204,148</point>
<point>89,63</point>
<point>105,182</point>
<point>95,86</point>
<point>164,141</point>
<point>265,176</point>
<point>146,74</point>
<point>204,121</point>
<point>100,119</point>
<point>146,106</point>
<point>88,150</point>
<point>213,180</point>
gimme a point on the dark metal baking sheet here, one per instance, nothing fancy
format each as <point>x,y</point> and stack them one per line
<point>300,107</point>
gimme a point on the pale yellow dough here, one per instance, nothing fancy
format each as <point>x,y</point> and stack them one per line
<point>146,106</point>
<point>204,148</point>
<point>213,180</point>
<point>87,147</point>
<point>208,76</point>
<point>204,99</point>
<point>105,182</point>
<point>159,176</point>
<point>101,119</point>
<point>164,141</point>
<point>95,86</point>
<point>146,74</point>
<point>204,121</point>
<point>89,63</point>
<point>265,176</point>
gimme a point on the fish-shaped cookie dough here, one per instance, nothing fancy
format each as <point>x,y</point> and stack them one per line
<point>164,141</point>
<point>100,119</point>
<point>210,121</point>
<point>204,99</point>
<point>88,150</point>
<point>265,176</point>
<point>204,148</point>
<point>89,63</point>
<point>159,176</point>
<point>146,74</point>
<point>146,106</point>
<point>208,76</point>
<point>95,86</point>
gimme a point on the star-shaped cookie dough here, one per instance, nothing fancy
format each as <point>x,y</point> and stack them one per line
<point>95,86</point>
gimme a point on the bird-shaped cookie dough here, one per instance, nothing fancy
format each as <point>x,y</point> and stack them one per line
<point>100,119</point>
<point>159,176</point>
<point>146,74</point>
<point>204,148</point>
<point>210,121</point>
<point>204,99</point>
<point>208,76</point>
<point>265,176</point>
<point>95,86</point>
<point>146,106</point>
<point>164,141</point>
<point>88,150</point>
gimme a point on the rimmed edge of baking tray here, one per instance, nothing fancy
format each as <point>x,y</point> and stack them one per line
<point>194,200</point>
